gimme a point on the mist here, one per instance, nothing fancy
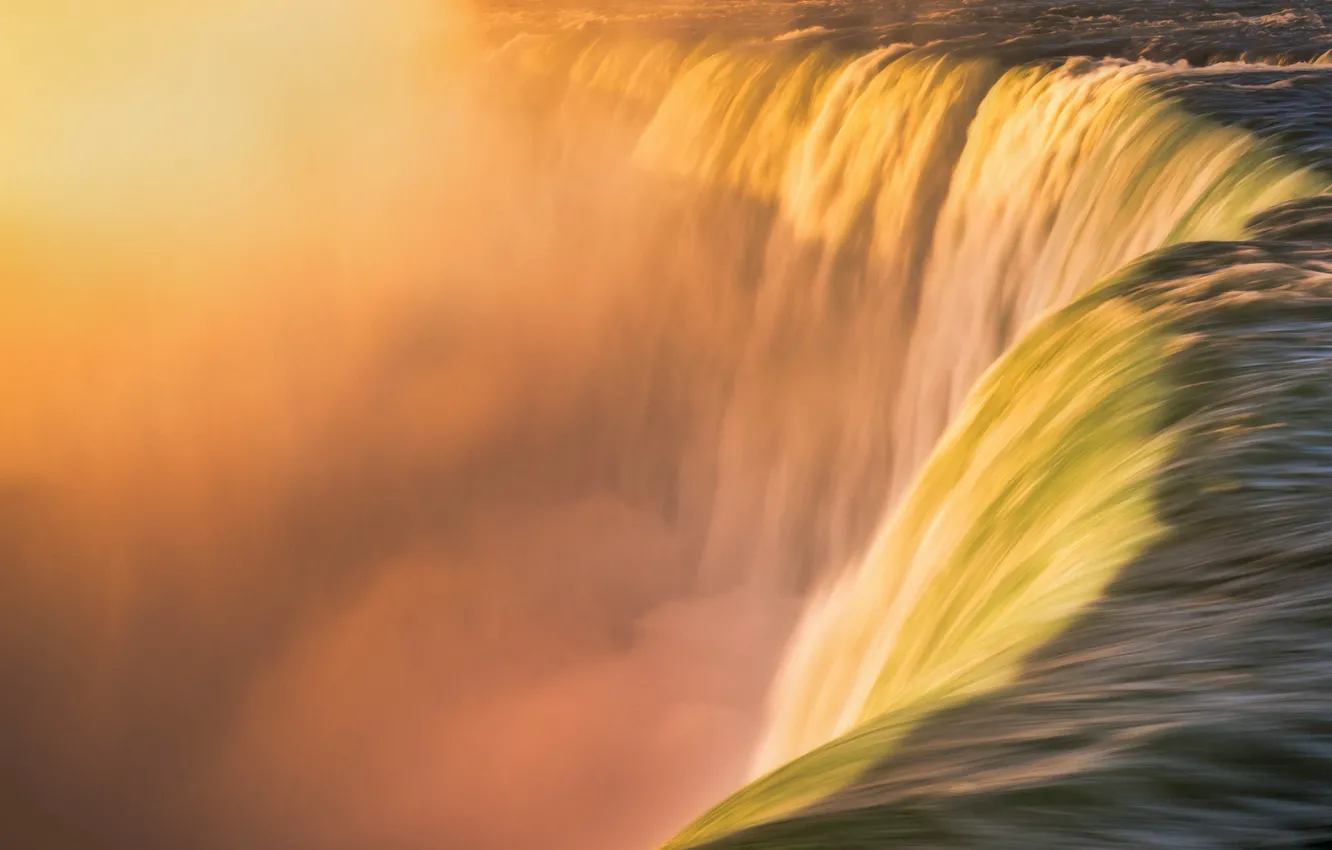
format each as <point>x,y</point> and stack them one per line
<point>357,484</point>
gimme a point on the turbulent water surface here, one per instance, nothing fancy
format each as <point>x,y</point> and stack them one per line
<point>534,423</point>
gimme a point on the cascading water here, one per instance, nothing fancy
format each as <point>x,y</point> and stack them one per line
<point>924,211</point>
<point>918,212</point>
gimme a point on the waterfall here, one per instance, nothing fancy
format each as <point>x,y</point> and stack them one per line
<point>923,212</point>
<point>409,427</point>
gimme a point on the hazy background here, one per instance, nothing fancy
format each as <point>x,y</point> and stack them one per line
<point>341,501</point>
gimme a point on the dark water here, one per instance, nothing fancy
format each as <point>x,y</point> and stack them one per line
<point>1166,31</point>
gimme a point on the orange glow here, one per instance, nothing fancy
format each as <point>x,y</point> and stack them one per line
<point>294,535</point>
